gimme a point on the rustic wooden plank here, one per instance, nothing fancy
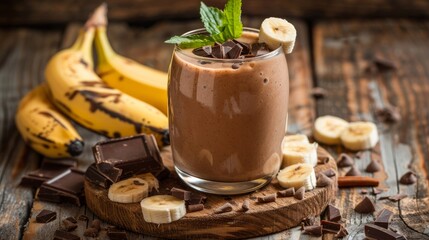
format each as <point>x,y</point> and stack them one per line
<point>22,52</point>
<point>143,11</point>
<point>342,50</point>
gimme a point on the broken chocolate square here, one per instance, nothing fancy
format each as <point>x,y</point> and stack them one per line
<point>333,213</point>
<point>181,193</point>
<point>383,218</point>
<point>46,216</point>
<point>96,177</point>
<point>49,169</point>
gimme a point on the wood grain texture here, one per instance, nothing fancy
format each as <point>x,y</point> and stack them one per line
<point>144,11</point>
<point>342,51</point>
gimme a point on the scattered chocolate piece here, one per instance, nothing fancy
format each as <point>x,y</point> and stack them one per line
<point>388,114</point>
<point>196,199</point>
<point>46,216</point>
<point>318,92</point>
<point>379,233</point>
<point>377,191</point>
<point>180,193</point>
<point>313,230</point>
<point>286,193</point>
<point>333,213</point>
<point>384,65</point>
<point>63,235</point>
<point>195,207</point>
<point>235,66</point>
<point>96,224</point>
<point>90,232</point>
<point>397,197</point>
<point>134,155</point>
<point>49,169</point>
<point>365,206</point>
<point>227,207</point>
<point>116,234</point>
<point>267,198</point>
<point>68,225</point>
<point>342,233</point>
<point>353,172</point>
<point>109,170</point>
<point>94,176</point>
<point>246,205</point>
<point>330,227</point>
<point>344,160</point>
<point>300,193</point>
<point>329,172</point>
<point>323,180</point>
<point>373,166</point>
<point>408,178</point>
<point>83,218</point>
<point>383,218</point>
<point>363,191</point>
<point>71,219</point>
<point>67,187</point>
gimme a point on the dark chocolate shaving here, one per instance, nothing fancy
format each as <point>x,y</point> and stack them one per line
<point>353,172</point>
<point>333,213</point>
<point>313,230</point>
<point>267,198</point>
<point>373,166</point>
<point>344,160</point>
<point>246,205</point>
<point>300,193</point>
<point>46,216</point>
<point>323,180</point>
<point>227,207</point>
<point>195,207</point>
<point>365,206</point>
<point>286,193</point>
<point>408,178</point>
<point>383,218</point>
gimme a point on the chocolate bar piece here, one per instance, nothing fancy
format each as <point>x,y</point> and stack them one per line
<point>63,235</point>
<point>333,213</point>
<point>96,177</point>
<point>380,233</point>
<point>49,169</point>
<point>67,187</point>
<point>383,218</point>
<point>330,227</point>
<point>181,194</point>
<point>108,170</point>
<point>116,234</point>
<point>365,206</point>
<point>46,216</point>
<point>196,198</point>
<point>134,155</point>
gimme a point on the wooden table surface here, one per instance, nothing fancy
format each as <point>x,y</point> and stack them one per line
<point>331,54</point>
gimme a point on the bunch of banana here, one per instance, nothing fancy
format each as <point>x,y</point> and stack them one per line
<point>44,128</point>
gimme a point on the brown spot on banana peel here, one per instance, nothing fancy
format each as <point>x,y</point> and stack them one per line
<point>49,115</point>
<point>106,73</point>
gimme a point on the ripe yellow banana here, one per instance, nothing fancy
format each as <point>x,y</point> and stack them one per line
<point>44,128</point>
<point>82,95</point>
<point>142,82</point>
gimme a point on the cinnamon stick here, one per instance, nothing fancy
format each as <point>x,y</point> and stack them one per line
<point>357,181</point>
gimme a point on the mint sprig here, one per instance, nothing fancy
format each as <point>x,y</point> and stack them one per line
<point>222,25</point>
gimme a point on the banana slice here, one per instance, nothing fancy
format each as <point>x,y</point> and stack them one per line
<point>151,180</point>
<point>297,175</point>
<point>130,190</point>
<point>162,209</point>
<point>328,129</point>
<point>276,32</point>
<point>299,152</point>
<point>296,138</point>
<point>360,136</point>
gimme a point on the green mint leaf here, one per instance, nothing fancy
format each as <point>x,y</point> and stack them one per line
<point>193,41</point>
<point>212,19</point>
<point>233,24</point>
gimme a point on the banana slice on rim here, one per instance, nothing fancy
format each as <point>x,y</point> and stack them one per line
<point>328,129</point>
<point>276,32</point>
<point>162,209</point>
<point>299,152</point>
<point>130,190</point>
<point>297,175</point>
<point>360,136</point>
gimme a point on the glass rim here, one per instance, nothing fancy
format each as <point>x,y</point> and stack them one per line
<point>221,60</point>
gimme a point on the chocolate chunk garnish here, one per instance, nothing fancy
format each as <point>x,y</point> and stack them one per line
<point>49,169</point>
<point>116,234</point>
<point>313,230</point>
<point>318,92</point>
<point>227,207</point>
<point>46,216</point>
<point>397,197</point>
<point>323,180</point>
<point>353,172</point>
<point>94,176</point>
<point>365,206</point>
<point>333,213</point>
<point>246,205</point>
<point>204,51</point>
<point>380,233</point>
<point>96,224</point>
<point>388,114</point>
<point>90,232</point>
<point>134,155</point>
<point>235,51</point>
<point>383,218</point>
<point>408,178</point>
<point>342,233</point>
<point>286,193</point>
<point>300,193</point>
<point>109,170</point>
<point>344,160</point>
<point>195,207</point>
<point>267,198</point>
<point>235,66</point>
<point>245,47</point>
<point>181,193</point>
<point>67,187</point>
<point>373,166</point>
<point>329,172</point>
<point>63,235</point>
<point>330,227</point>
<point>68,225</point>
<point>218,51</point>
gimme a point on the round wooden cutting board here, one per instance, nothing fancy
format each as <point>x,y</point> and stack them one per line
<point>261,219</point>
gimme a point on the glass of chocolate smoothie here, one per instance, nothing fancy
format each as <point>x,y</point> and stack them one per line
<point>228,116</point>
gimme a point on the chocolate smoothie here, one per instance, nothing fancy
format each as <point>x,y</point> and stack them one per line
<point>227,122</point>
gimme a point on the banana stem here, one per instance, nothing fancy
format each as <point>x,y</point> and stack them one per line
<point>86,47</point>
<point>104,49</point>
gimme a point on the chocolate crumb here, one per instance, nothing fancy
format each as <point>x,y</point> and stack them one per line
<point>227,207</point>
<point>373,166</point>
<point>286,193</point>
<point>318,92</point>
<point>68,225</point>
<point>353,172</point>
<point>344,160</point>
<point>323,180</point>
<point>90,232</point>
<point>60,234</point>
<point>333,213</point>
<point>46,216</point>
<point>300,193</point>
<point>195,207</point>
<point>408,178</point>
<point>329,172</point>
<point>388,114</point>
<point>313,230</point>
<point>365,206</point>
<point>267,198</point>
<point>246,205</point>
